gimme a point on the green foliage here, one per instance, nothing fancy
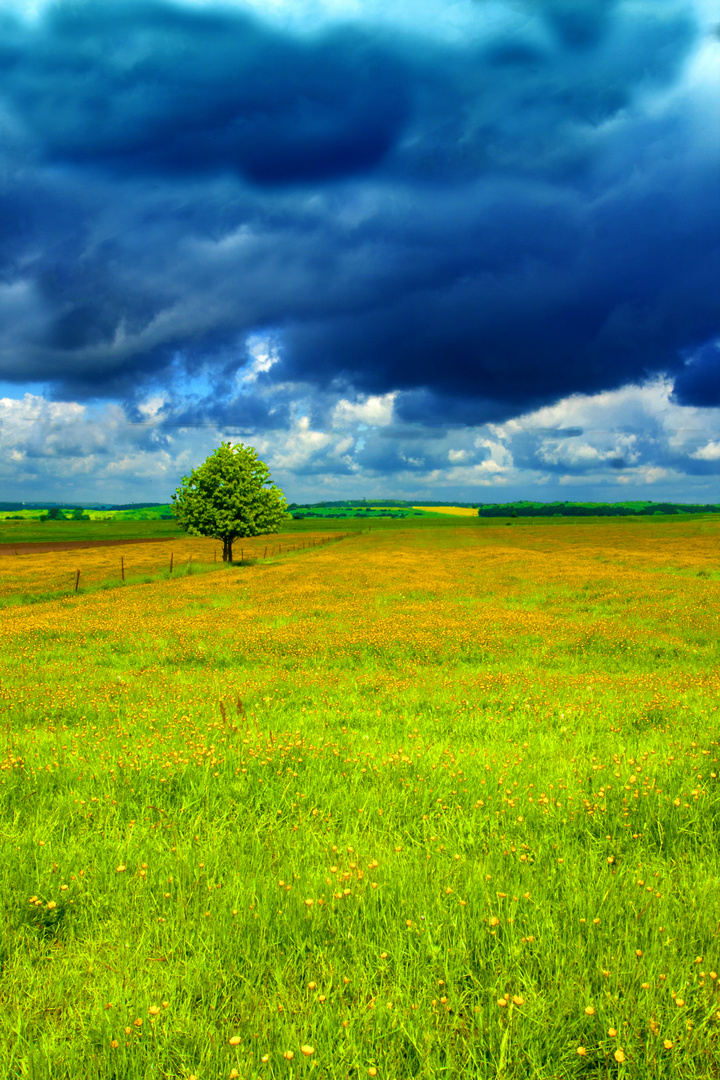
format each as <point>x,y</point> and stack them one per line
<point>523,508</point>
<point>228,497</point>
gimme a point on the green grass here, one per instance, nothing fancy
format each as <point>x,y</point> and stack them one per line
<point>32,529</point>
<point>508,757</point>
<point>117,582</point>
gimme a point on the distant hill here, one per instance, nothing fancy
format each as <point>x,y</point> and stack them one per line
<point>399,508</point>
<point>40,511</point>
<point>383,508</point>
<point>592,509</point>
<point>10,507</point>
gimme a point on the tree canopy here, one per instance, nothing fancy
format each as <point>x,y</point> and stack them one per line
<point>228,497</point>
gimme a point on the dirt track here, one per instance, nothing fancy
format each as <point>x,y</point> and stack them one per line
<point>39,547</point>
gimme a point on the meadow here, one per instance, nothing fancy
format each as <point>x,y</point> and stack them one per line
<point>31,576</point>
<point>422,802</point>
<point>31,529</point>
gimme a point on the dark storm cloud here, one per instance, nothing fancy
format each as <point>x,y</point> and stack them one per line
<point>699,382</point>
<point>408,433</point>
<point>580,297</point>
<point>238,414</point>
<point>148,87</point>
<point>695,467</point>
<point>485,226</point>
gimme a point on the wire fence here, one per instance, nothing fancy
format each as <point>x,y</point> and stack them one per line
<point>33,574</point>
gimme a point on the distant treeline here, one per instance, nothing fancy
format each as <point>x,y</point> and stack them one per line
<point>572,509</point>
<point>520,508</point>
<point>345,511</point>
<point>403,508</point>
<point>15,507</point>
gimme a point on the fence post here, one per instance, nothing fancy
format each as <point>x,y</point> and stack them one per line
<point>171,560</point>
<point>77,580</point>
<point>122,567</point>
<point>265,555</point>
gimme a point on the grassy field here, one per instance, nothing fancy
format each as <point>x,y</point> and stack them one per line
<point>423,802</point>
<point>28,576</point>
<point>32,530</point>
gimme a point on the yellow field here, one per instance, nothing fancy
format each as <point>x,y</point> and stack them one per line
<point>456,511</point>
<point>496,594</point>
<point>31,573</point>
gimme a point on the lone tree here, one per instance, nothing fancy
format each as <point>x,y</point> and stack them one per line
<point>229,496</point>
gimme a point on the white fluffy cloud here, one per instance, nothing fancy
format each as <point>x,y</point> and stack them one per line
<point>628,443</point>
<point>373,411</point>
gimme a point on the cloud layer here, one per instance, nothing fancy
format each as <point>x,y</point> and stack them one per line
<point>252,219</point>
<point>622,444</point>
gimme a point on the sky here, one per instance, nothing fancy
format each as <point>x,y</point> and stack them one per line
<point>441,249</point>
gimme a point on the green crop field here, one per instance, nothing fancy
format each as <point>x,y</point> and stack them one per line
<point>32,530</point>
<point>437,799</point>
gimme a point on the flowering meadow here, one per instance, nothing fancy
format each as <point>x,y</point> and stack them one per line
<point>32,575</point>
<point>423,802</point>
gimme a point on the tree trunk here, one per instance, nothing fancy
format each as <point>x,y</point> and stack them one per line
<point>227,549</point>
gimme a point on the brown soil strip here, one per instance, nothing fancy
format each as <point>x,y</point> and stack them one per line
<point>39,547</point>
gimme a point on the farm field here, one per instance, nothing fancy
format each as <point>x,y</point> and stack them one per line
<point>422,802</point>
<point>33,574</point>
<point>453,511</point>
<point>32,530</point>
